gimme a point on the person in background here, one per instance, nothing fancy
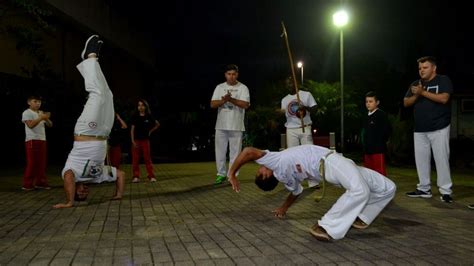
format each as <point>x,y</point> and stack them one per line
<point>143,124</point>
<point>294,110</point>
<point>115,141</point>
<point>430,98</point>
<point>231,99</point>
<point>376,131</point>
<point>35,121</point>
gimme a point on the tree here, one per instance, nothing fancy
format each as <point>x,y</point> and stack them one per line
<point>328,112</point>
<point>28,35</point>
<point>264,124</point>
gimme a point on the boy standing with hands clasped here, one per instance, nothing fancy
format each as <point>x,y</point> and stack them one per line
<point>35,145</point>
<point>376,131</point>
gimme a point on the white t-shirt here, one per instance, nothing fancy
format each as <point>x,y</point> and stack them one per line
<point>86,161</point>
<point>290,105</point>
<point>295,164</point>
<point>36,133</point>
<point>230,116</point>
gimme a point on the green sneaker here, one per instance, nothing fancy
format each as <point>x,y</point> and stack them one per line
<point>220,179</point>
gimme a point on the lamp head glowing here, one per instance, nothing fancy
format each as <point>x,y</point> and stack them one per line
<point>340,18</point>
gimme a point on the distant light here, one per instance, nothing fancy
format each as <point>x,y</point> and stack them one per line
<point>300,64</point>
<point>314,131</point>
<point>340,18</point>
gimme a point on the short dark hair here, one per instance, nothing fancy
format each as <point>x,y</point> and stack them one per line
<point>372,94</point>
<point>231,67</point>
<point>267,184</point>
<point>34,97</point>
<point>430,59</point>
<point>77,198</point>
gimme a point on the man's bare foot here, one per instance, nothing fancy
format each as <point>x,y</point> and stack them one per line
<point>62,205</point>
<point>116,198</point>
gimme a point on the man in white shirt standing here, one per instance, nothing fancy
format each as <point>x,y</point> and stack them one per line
<point>294,110</point>
<point>230,98</point>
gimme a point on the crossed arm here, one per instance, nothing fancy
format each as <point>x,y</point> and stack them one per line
<point>420,91</point>
<point>228,98</point>
<point>42,116</point>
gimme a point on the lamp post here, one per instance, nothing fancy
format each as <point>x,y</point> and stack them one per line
<point>340,19</point>
<point>300,65</point>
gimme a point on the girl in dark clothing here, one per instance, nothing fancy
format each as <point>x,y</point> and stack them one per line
<point>142,126</point>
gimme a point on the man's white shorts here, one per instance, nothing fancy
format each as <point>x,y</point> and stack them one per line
<point>86,160</point>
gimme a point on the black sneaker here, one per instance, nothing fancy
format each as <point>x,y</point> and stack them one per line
<point>446,198</point>
<point>92,45</point>
<point>471,206</point>
<point>419,194</point>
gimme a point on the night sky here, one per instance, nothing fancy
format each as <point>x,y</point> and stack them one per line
<point>195,39</point>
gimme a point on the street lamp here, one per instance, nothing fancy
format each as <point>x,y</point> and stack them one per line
<point>340,19</point>
<point>300,65</point>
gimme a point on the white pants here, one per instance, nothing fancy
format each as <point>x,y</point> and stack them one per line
<point>438,141</point>
<point>296,137</point>
<point>224,138</point>
<point>86,158</point>
<point>367,193</point>
<point>97,118</point>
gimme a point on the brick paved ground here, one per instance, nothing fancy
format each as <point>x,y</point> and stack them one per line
<point>185,220</point>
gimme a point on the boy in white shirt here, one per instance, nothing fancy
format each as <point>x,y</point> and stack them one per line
<point>35,145</point>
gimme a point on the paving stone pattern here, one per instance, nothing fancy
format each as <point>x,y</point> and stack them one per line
<point>183,219</point>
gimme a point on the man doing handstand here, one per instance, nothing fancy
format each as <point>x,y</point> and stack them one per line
<point>85,163</point>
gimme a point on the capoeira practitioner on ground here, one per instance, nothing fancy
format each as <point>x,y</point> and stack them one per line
<point>367,192</point>
<point>85,163</point>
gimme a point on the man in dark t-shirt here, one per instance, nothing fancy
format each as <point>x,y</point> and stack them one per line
<point>429,97</point>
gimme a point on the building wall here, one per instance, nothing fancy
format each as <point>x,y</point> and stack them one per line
<point>97,17</point>
<point>462,121</point>
<point>64,95</point>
